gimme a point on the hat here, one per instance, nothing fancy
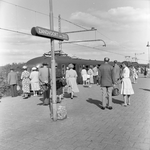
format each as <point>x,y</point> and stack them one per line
<point>11,68</point>
<point>45,64</point>
<point>24,67</point>
<point>70,65</point>
<point>115,61</point>
<point>34,68</point>
<point>106,59</point>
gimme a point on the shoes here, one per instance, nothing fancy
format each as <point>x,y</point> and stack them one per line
<point>103,108</point>
<point>125,105</point>
<point>109,107</point>
<point>128,103</point>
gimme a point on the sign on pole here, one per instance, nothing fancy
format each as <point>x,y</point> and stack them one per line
<point>51,34</point>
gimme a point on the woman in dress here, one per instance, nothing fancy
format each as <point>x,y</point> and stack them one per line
<point>90,72</point>
<point>34,76</point>
<point>25,82</point>
<point>126,87</point>
<point>134,74</point>
<point>84,75</point>
<point>72,77</point>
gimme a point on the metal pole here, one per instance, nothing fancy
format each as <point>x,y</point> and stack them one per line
<point>53,82</point>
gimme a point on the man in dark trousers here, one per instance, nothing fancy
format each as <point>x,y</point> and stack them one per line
<point>44,77</point>
<point>13,81</point>
<point>106,80</point>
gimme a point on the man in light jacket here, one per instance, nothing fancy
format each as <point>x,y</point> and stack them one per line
<point>106,80</point>
<point>44,78</point>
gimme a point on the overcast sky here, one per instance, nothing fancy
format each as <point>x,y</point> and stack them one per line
<point>124,25</point>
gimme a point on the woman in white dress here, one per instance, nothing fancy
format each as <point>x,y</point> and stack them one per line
<point>84,75</point>
<point>72,83</point>
<point>35,86</point>
<point>90,72</point>
<point>126,87</point>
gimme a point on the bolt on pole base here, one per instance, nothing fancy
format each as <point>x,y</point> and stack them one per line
<point>54,108</point>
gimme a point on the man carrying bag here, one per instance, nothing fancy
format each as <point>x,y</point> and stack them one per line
<point>44,77</point>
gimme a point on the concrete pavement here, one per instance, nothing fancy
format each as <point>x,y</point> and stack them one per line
<point>25,124</point>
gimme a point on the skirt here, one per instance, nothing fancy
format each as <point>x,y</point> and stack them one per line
<point>126,87</point>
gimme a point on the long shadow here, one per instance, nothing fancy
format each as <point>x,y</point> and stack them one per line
<point>145,89</point>
<point>99,103</point>
<point>116,101</point>
<point>94,101</point>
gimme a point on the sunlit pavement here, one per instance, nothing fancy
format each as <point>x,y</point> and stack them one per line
<point>25,124</point>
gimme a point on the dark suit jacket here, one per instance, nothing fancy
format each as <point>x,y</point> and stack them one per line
<point>116,71</point>
<point>106,77</point>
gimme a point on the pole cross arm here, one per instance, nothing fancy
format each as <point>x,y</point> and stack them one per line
<point>92,29</point>
<point>85,41</point>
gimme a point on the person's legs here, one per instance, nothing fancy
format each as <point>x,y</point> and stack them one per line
<point>104,92</point>
<point>125,100</point>
<point>109,90</point>
<point>12,90</point>
<point>128,101</point>
<point>15,90</point>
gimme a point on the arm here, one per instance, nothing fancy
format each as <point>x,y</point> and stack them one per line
<point>8,80</point>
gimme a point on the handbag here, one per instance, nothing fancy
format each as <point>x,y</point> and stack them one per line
<point>18,87</point>
<point>115,91</point>
<point>63,81</point>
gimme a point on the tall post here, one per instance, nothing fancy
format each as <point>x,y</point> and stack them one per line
<point>53,108</point>
<point>59,24</point>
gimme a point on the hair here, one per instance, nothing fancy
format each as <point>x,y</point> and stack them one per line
<point>115,61</point>
<point>106,59</point>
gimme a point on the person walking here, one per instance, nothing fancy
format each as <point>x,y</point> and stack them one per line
<point>34,77</point>
<point>72,80</point>
<point>106,80</point>
<point>145,72</point>
<point>84,75</point>
<point>90,72</point>
<point>13,81</point>
<point>134,74</point>
<point>116,72</point>
<point>44,78</point>
<point>25,82</point>
<point>126,87</point>
<point>95,74</point>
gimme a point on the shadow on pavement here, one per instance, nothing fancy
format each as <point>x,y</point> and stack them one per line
<point>145,89</point>
<point>94,101</point>
<point>116,101</point>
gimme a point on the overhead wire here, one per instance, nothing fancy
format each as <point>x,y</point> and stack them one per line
<point>57,18</point>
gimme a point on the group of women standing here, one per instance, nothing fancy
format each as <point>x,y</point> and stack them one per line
<point>28,78</point>
<point>87,75</point>
<point>33,79</point>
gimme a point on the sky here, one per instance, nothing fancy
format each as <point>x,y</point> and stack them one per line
<point>123,25</point>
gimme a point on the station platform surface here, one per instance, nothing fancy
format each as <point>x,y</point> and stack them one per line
<point>25,124</point>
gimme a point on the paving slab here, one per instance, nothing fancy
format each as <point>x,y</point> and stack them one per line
<point>25,124</point>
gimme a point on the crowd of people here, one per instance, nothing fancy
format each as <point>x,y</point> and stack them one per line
<point>107,76</point>
<point>39,81</point>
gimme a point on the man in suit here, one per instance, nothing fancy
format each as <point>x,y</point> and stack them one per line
<point>44,78</point>
<point>116,71</point>
<point>106,80</point>
<point>13,81</point>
